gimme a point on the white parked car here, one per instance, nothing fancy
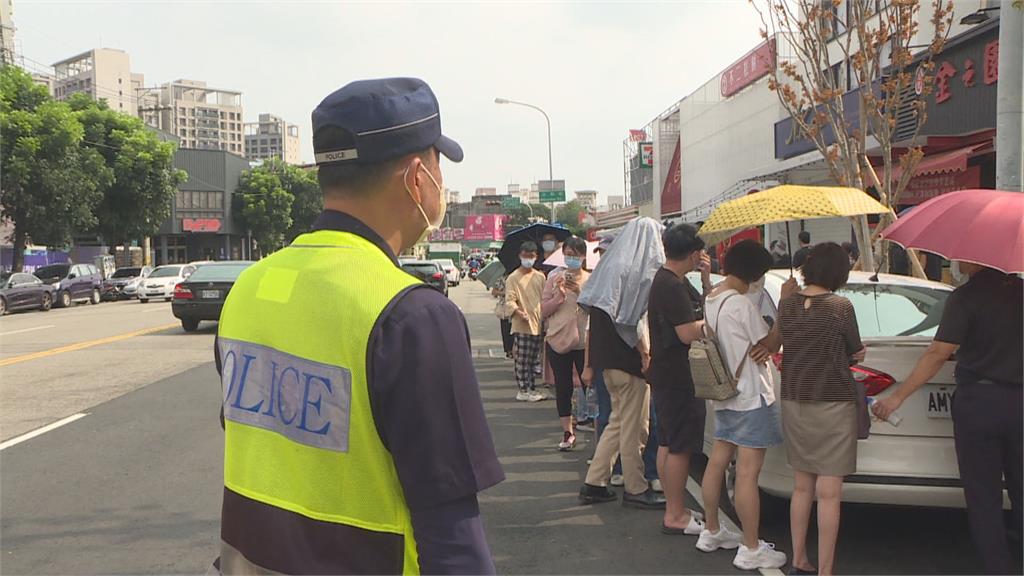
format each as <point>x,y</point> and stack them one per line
<point>161,282</point>
<point>451,270</point>
<point>912,464</point>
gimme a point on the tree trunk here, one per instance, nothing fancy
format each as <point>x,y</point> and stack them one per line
<point>18,255</point>
<point>863,235</point>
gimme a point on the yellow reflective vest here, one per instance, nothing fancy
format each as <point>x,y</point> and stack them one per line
<point>299,431</point>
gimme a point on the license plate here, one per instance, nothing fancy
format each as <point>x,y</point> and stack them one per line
<point>211,293</point>
<point>940,403</point>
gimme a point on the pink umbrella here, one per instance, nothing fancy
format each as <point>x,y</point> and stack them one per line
<point>981,226</point>
<point>557,259</point>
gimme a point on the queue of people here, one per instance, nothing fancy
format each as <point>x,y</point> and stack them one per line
<point>625,328</point>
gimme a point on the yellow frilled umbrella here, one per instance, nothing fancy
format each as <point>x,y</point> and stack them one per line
<point>783,204</point>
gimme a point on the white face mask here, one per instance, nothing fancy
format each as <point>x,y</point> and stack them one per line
<point>527,262</point>
<point>548,245</point>
<point>442,205</point>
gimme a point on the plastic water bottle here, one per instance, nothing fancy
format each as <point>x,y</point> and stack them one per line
<point>894,419</point>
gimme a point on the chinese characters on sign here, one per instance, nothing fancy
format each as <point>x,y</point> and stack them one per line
<point>756,64</point>
<point>647,154</point>
<point>992,62</point>
<point>947,71</point>
<point>200,224</point>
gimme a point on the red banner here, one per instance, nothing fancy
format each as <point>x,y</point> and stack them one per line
<point>671,196</point>
<point>754,65</point>
<point>200,224</point>
<point>637,135</point>
<point>485,227</point>
<point>928,186</point>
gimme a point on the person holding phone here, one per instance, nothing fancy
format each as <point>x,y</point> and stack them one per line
<point>567,330</point>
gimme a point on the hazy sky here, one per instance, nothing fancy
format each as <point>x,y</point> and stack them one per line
<point>598,69</point>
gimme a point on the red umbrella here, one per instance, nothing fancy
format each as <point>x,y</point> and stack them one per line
<point>981,226</point>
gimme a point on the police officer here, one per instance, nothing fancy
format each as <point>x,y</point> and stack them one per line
<point>355,438</point>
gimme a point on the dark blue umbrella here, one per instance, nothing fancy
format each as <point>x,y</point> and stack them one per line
<point>509,254</point>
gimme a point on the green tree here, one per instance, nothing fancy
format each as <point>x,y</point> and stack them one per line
<point>138,197</point>
<point>50,183</point>
<point>309,200</point>
<point>264,207</point>
<point>520,215</point>
<point>568,216</point>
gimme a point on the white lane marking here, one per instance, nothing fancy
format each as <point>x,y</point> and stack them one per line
<point>23,330</point>
<point>157,309</point>
<point>40,431</point>
<point>694,489</point>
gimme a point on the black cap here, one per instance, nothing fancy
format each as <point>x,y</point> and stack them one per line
<point>371,121</point>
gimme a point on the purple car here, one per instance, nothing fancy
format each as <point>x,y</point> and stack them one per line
<point>72,282</point>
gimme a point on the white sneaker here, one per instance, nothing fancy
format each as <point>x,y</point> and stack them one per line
<point>536,396</point>
<point>766,556</point>
<point>523,396</point>
<point>617,480</point>
<point>656,486</point>
<point>724,539</point>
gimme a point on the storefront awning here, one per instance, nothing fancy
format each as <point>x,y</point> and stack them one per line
<point>944,162</point>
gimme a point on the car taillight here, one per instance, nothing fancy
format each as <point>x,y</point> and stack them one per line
<point>874,381</point>
<point>182,293</point>
<point>438,276</point>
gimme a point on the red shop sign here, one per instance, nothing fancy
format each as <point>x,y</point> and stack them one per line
<point>200,224</point>
<point>928,186</point>
<point>754,65</point>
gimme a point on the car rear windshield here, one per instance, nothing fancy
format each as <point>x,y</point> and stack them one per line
<point>59,270</point>
<point>890,310</point>
<point>165,272</point>
<point>420,268</point>
<point>127,273</point>
<point>218,272</point>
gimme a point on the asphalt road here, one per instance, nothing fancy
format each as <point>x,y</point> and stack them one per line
<point>133,486</point>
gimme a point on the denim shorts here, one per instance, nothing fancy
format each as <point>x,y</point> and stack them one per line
<point>757,428</point>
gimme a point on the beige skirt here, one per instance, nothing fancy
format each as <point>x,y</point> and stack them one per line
<point>821,437</point>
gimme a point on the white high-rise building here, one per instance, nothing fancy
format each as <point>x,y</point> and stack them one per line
<point>272,137</point>
<point>587,198</point>
<point>102,73</point>
<point>6,32</point>
<point>200,116</point>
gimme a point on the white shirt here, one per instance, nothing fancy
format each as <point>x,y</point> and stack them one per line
<point>738,327</point>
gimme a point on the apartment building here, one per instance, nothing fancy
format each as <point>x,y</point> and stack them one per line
<point>102,73</point>
<point>203,117</point>
<point>6,32</point>
<point>587,198</point>
<point>485,192</point>
<point>272,137</point>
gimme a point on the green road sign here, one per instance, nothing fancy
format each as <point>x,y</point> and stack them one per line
<point>552,196</point>
<point>510,202</point>
<point>551,190</point>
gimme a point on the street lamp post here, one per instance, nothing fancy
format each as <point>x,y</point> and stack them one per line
<point>551,172</point>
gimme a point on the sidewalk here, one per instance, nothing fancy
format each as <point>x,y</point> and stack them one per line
<point>535,525</point>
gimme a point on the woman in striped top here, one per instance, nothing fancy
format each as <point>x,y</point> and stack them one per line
<point>818,333</point>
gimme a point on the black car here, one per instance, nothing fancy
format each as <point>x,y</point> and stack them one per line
<point>201,296</point>
<point>20,291</point>
<point>429,272</point>
<point>72,282</point>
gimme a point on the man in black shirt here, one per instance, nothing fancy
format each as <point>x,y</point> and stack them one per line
<point>805,249</point>
<point>983,324</point>
<point>675,323</point>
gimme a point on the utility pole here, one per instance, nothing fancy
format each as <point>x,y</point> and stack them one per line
<point>1009,109</point>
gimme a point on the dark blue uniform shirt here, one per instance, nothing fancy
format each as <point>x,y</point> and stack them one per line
<point>428,411</point>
